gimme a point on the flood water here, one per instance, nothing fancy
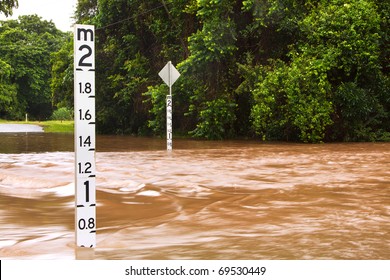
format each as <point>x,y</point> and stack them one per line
<point>205,200</point>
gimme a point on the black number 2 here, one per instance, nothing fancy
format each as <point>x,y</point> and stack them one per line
<point>85,56</point>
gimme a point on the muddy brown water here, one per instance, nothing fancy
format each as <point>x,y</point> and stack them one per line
<point>205,200</point>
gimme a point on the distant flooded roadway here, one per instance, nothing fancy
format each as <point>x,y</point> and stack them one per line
<point>205,200</point>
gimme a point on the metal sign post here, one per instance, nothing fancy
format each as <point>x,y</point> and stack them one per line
<point>85,138</point>
<point>169,74</point>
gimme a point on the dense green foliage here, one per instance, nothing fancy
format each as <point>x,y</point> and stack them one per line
<point>62,114</point>
<point>331,83</point>
<point>6,6</point>
<point>26,46</point>
<point>297,70</point>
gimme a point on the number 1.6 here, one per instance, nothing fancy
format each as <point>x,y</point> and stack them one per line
<point>85,115</point>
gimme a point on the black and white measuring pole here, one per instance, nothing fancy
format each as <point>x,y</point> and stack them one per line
<point>85,138</point>
<point>169,122</point>
<point>169,74</point>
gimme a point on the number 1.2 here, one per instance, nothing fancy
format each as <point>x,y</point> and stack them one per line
<point>87,168</point>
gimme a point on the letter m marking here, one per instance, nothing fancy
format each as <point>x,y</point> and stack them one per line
<point>85,32</point>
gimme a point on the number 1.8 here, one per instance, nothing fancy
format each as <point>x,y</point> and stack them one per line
<point>87,88</point>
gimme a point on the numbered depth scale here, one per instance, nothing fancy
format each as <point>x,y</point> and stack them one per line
<point>169,122</point>
<point>85,137</point>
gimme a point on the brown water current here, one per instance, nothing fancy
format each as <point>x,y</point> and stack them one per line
<point>205,200</point>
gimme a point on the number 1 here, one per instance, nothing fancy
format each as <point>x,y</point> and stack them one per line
<point>86,184</point>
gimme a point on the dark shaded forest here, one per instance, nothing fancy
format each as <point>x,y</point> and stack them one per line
<point>289,70</point>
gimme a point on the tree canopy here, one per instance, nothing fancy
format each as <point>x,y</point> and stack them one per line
<point>26,46</point>
<point>6,6</point>
<point>295,70</point>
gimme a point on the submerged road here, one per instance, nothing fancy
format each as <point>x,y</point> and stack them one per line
<point>20,128</point>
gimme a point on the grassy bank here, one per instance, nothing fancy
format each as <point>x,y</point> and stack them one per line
<point>48,126</point>
<point>57,126</point>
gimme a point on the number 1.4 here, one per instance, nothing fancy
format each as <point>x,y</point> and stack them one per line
<point>85,142</point>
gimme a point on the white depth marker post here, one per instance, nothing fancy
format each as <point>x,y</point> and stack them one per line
<point>169,121</point>
<point>169,74</point>
<point>85,138</point>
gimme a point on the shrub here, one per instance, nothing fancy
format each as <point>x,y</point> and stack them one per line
<point>62,114</point>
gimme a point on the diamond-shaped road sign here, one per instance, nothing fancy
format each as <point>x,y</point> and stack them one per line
<point>169,74</point>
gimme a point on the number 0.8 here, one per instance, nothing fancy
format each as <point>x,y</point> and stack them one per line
<point>83,224</point>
